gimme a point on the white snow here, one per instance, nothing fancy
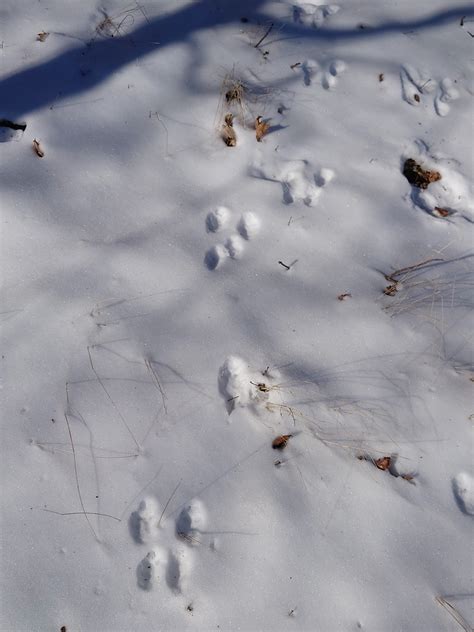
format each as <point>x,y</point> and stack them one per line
<point>170,307</point>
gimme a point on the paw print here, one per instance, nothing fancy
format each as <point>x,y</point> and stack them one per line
<point>169,557</point>
<point>298,180</point>
<point>313,15</point>
<point>416,87</point>
<point>327,74</point>
<point>247,227</point>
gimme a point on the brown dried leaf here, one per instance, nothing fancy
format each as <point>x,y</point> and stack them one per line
<point>383,463</point>
<point>417,176</point>
<point>416,97</point>
<point>42,36</point>
<point>228,133</point>
<point>381,77</point>
<point>441,212</point>
<point>391,290</point>
<point>37,148</point>
<point>342,297</point>
<point>280,442</point>
<point>261,128</point>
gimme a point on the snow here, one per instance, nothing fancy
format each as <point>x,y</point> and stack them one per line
<point>170,307</point>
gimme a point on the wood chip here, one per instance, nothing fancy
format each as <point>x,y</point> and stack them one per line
<point>37,148</point>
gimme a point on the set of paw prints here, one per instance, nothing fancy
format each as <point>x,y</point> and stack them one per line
<point>170,543</point>
<point>244,230</point>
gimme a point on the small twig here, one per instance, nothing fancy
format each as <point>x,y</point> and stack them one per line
<point>454,613</point>
<point>77,478</point>
<point>168,502</point>
<point>284,265</point>
<point>292,66</point>
<point>109,397</point>
<point>461,23</point>
<point>391,277</point>
<point>142,11</point>
<point>158,384</point>
<point>80,513</point>
<point>266,34</point>
<point>12,125</point>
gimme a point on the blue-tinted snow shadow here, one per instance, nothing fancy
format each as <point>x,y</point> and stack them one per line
<point>83,67</point>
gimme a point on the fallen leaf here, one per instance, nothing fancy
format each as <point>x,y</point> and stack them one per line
<point>417,176</point>
<point>280,442</point>
<point>261,128</point>
<point>342,297</point>
<point>228,133</point>
<point>42,36</point>
<point>383,463</point>
<point>381,77</point>
<point>441,212</point>
<point>37,148</point>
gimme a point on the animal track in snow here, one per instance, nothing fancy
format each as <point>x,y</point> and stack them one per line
<point>172,561</point>
<point>247,227</point>
<point>314,15</point>
<point>327,74</point>
<point>416,86</point>
<point>449,196</point>
<point>241,387</point>
<point>463,488</point>
<point>298,180</point>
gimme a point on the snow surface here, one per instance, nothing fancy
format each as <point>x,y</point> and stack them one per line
<point>170,306</point>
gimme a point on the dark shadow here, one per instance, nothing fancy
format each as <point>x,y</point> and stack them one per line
<point>173,572</point>
<point>461,494</point>
<point>134,527</point>
<point>85,66</point>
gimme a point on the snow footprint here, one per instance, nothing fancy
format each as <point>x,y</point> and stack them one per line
<point>239,386</point>
<point>417,85</point>
<point>297,178</point>
<point>247,227</point>
<point>450,195</point>
<point>313,15</point>
<point>463,489</point>
<point>327,74</point>
<point>173,560</point>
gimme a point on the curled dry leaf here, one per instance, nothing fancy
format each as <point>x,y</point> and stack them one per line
<point>42,36</point>
<point>417,176</point>
<point>381,77</point>
<point>280,442</point>
<point>37,148</point>
<point>441,212</point>
<point>228,133</point>
<point>261,128</point>
<point>383,463</point>
<point>342,297</point>
<point>416,97</point>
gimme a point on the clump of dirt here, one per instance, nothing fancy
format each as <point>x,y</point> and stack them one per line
<point>417,176</point>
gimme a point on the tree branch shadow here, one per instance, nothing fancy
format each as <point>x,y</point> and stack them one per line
<point>33,88</point>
